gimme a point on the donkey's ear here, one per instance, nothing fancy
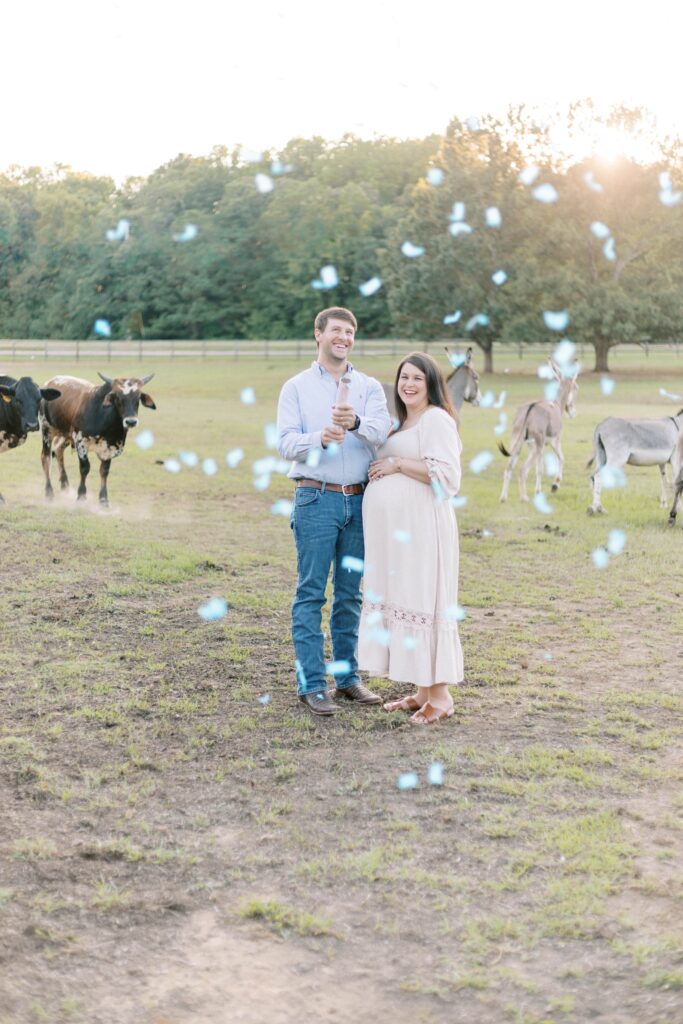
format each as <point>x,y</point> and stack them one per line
<point>555,368</point>
<point>468,356</point>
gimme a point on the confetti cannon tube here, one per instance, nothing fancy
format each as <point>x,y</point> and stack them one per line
<point>343,390</point>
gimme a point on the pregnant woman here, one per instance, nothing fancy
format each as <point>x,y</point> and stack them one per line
<point>409,624</point>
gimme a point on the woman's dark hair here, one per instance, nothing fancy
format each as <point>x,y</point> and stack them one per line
<point>437,391</point>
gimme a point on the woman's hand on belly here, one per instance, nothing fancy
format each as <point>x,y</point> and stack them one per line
<point>383,467</point>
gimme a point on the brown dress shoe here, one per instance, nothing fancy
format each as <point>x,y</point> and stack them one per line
<point>359,693</point>
<point>319,703</point>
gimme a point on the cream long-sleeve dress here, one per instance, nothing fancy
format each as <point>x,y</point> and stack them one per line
<point>409,628</point>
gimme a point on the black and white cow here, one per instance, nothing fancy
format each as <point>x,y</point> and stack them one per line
<point>90,417</point>
<point>19,402</point>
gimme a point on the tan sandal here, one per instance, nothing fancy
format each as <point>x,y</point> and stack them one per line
<point>405,704</point>
<point>431,714</point>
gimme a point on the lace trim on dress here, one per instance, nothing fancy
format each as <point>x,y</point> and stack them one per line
<point>393,613</point>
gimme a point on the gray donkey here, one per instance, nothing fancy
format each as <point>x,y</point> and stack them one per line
<point>463,386</point>
<point>677,466</point>
<point>538,423</point>
<point>641,442</point>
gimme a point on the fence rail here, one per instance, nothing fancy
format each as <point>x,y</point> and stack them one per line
<point>107,350</point>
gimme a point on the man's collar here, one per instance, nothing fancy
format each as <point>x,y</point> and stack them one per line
<point>321,369</point>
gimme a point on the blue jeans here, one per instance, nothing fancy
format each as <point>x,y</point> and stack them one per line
<point>327,526</point>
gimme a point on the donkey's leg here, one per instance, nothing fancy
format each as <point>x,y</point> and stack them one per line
<point>596,482</point>
<point>524,472</point>
<point>557,448</point>
<point>664,496</point>
<point>507,475</point>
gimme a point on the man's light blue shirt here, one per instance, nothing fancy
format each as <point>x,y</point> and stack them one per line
<point>305,408</point>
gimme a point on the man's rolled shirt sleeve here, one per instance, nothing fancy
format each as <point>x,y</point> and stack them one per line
<point>375,423</point>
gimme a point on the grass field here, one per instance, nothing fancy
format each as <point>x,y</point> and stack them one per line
<point>174,851</point>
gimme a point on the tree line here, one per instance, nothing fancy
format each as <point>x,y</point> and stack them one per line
<point>473,234</point>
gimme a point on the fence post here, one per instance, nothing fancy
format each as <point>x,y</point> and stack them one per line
<point>109,351</point>
<point>45,348</point>
<point>78,350</point>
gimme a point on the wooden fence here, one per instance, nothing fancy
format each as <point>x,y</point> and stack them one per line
<point>106,350</point>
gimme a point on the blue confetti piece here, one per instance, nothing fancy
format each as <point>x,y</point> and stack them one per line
<point>435,176</point>
<point>609,250</point>
<point>408,780</point>
<point>412,251</point>
<point>492,217</point>
<point>542,505</point>
<point>209,467</point>
<point>600,558</point>
<point>556,321</point>
<point>172,465</point>
<point>332,448</point>
<point>214,609</point>
<point>300,674</point>
<point>486,533</point>
<point>265,465</point>
<point>282,466</point>
<point>606,385</point>
<point>480,462</point>
<point>264,183</point>
<point>460,228</point>
<point>120,232</point>
<point>454,613</point>
<point>262,483</point>
<point>458,502</point>
<point>669,198</point>
<point>329,276</point>
<point>381,636</point>
<point>439,493</point>
<point>611,477</point>
<point>600,230</point>
<point>189,459</point>
<point>472,124</point>
<point>547,656</point>
<point>545,193</point>
<point>264,699</point>
<point>409,643</point>
<point>500,402</point>
<point>373,618</point>
<point>501,425</point>
<point>478,320</point>
<point>247,396</point>
<point>665,182</point>
<point>458,212</point>
<point>487,399</point>
<point>435,774</point>
<point>528,175</point>
<point>372,597</point>
<point>277,167</point>
<point>616,542</point>
<point>282,507</point>
<point>368,288</point>
<point>545,372</point>
<point>234,457</point>
<point>145,440</point>
<point>452,318</point>
<point>271,435</point>
<point>102,328</point>
<point>551,391</point>
<point>338,668</point>
<point>668,394</point>
<point>500,277</point>
<point>313,458</point>
<point>189,232</point>
<point>250,156</point>
<point>352,564</point>
<point>551,464</point>
<point>591,182</point>
<point>564,352</point>
<point>402,536</point>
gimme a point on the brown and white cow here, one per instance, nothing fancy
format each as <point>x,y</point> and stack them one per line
<point>90,417</point>
<point>19,402</point>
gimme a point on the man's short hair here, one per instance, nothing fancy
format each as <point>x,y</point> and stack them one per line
<point>334,313</point>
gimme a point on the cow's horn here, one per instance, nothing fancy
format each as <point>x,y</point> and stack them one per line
<point>107,380</point>
<point>147,379</point>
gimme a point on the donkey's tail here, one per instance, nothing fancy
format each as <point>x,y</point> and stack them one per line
<point>598,448</point>
<point>503,449</point>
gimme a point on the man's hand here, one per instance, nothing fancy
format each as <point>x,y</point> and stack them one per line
<point>343,416</point>
<point>336,434</point>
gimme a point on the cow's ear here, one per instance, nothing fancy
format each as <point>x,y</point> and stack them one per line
<point>7,392</point>
<point>147,400</point>
<point>49,394</point>
<point>107,400</point>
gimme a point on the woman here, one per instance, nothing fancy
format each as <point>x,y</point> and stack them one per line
<point>409,628</point>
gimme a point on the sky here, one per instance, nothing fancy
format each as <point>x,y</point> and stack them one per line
<point>119,87</point>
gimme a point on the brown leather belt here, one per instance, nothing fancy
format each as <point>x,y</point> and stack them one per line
<point>345,489</point>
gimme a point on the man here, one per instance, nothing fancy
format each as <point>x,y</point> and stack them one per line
<point>331,445</point>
